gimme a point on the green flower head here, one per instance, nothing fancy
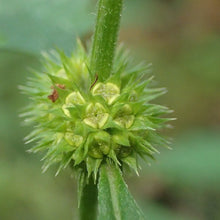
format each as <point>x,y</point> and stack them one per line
<point>83,120</point>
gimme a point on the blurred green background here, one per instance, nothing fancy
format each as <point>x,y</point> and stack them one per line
<point>182,40</point>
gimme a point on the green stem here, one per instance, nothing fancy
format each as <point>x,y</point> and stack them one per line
<point>88,202</point>
<point>105,37</point>
<point>102,55</point>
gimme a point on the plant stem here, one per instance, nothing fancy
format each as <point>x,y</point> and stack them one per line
<point>88,203</point>
<point>102,55</point>
<point>105,37</point>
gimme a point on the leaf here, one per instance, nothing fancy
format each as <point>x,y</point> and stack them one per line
<point>131,161</point>
<point>142,124</point>
<point>114,200</point>
<point>59,80</point>
<point>121,138</point>
<point>92,165</point>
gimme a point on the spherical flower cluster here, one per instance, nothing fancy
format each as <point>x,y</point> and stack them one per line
<point>83,120</point>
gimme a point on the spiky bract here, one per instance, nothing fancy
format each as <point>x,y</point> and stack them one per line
<point>83,121</point>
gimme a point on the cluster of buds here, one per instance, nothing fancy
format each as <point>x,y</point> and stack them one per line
<point>84,120</point>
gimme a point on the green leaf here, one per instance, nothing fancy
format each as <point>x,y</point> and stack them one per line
<point>59,80</point>
<point>93,166</point>
<point>142,124</point>
<point>114,200</point>
<point>121,138</point>
<point>131,161</point>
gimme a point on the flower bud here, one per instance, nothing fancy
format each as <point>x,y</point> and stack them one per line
<point>87,121</point>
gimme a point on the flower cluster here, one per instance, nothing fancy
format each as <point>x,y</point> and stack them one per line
<point>84,120</point>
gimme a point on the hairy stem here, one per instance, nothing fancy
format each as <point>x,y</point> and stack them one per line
<point>88,202</point>
<point>102,55</point>
<point>105,37</point>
